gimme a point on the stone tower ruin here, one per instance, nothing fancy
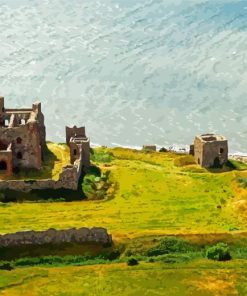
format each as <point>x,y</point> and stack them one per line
<point>79,145</point>
<point>210,150</point>
<point>22,138</point>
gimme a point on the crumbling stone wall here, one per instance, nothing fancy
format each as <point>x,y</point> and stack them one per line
<point>68,179</point>
<point>53,236</point>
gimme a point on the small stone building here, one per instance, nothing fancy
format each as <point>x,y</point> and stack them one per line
<point>210,150</point>
<point>149,147</point>
<point>22,138</point>
<point>79,145</point>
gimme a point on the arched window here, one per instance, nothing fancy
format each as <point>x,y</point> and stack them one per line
<point>221,150</point>
<point>19,140</point>
<point>19,155</point>
<point>75,151</point>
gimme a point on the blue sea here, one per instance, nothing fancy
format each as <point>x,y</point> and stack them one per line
<point>133,72</point>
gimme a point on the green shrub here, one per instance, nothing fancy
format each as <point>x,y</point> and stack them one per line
<point>163,149</point>
<point>101,156</point>
<point>219,252</point>
<point>6,266</point>
<point>242,181</point>
<point>174,258</point>
<point>132,261</point>
<point>170,245</point>
<point>68,260</point>
<point>95,186</point>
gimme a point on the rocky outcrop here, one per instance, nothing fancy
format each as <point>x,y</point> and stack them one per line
<point>53,236</point>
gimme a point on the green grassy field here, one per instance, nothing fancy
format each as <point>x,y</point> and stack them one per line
<point>157,194</point>
<point>202,278</point>
<point>154,194</point>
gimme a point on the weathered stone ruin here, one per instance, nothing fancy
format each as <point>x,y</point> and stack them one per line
<point>22,146</point>
<point>210,150</point>
<point>79,145</point>
<point>22,138</point>
<point>149,147</point>
<point>53,236</point>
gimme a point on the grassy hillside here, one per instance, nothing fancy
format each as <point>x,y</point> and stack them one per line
<point>202,278</point>
<point>157,193</point>
<point>138,196</point>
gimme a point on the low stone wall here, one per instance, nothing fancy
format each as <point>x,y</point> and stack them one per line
<point>68,179</point>
<point>53,236</point>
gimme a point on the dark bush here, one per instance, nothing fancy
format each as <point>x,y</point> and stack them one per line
<point>132,261</point>
<point>170,245</point>
<point>6,266</point>
<point>219,252</point>
<point>163,149</point>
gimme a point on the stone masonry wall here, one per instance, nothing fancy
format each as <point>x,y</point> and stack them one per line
<point>53,236</point>
<point>68,179</point>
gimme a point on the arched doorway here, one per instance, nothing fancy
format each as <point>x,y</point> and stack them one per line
<point>3,165</point>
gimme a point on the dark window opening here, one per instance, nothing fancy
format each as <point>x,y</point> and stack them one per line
<point>19,155</point>
<point>3,146</point>
<point>3,165</point>
<point>75,151</point>
<point>18,140</point>
<point>221,150</point>
<point>217,163</point>
<point>198,161</point>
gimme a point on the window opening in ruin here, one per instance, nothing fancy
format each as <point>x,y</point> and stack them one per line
<point>75,152</point>
<point>18,140</point>
<point>198,161</point>
<point>19,155</point>
<point>23,121</point>
<point>6,122</point>
<point>3,146</point>
<point>221,150</point>
<point>3,165</point>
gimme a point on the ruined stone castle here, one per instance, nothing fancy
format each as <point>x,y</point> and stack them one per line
<point>22,138</point>
<point>23,144</point>
<point>210,150</point>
